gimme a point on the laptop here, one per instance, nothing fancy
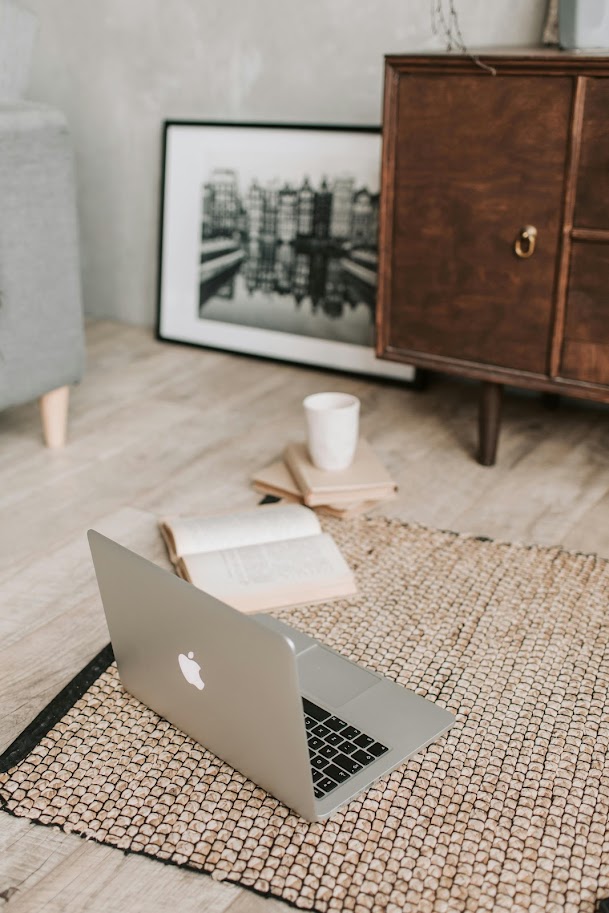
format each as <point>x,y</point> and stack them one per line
<point>295,717</point>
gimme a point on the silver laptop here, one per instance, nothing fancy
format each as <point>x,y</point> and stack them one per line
<point>302,722</point>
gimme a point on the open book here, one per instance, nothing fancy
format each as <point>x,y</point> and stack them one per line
<point>275,555</point>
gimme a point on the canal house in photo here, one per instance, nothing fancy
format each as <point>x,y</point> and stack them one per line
<point>313,241</point>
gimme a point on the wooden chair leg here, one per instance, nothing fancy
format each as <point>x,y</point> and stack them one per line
<point>489,421</point>
<point>54,414</point>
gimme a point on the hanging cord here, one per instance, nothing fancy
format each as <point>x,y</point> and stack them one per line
<point>446,23</point>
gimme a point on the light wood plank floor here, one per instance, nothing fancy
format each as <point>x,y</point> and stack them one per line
<point>157,428</point>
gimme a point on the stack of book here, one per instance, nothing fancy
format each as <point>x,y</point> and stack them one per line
<point>341,494</point>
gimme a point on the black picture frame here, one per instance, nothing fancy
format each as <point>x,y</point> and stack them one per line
<point>264,249</point>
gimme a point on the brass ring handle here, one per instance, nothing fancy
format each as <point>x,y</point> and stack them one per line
<point>524,245</point>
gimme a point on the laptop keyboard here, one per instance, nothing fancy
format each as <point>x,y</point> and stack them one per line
<point>337,749</point>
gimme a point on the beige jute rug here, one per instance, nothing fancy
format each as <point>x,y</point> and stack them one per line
<point>509,811</point>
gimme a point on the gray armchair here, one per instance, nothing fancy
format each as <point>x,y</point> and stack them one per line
<point>41,323</point>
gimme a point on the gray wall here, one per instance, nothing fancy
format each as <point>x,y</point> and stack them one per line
<point>119,67</point>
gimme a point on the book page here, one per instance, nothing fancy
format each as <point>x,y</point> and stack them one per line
<point>190,535</point>
<point>273,574</point>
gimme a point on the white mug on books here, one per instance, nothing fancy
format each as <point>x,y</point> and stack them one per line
<point>332,429</point>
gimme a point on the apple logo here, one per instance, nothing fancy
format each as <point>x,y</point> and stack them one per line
<point>191,670</point>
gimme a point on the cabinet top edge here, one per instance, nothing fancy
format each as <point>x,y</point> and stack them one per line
<point>546,60</point>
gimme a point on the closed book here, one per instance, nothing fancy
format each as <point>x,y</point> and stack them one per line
<point>277,480</point>
<point>366,479</point>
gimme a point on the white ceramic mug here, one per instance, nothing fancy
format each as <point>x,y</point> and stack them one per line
<point>332,429</point>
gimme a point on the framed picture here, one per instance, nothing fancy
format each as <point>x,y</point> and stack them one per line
<point>269,242</point>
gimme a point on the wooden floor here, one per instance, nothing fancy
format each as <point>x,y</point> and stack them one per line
<point>158,429</point>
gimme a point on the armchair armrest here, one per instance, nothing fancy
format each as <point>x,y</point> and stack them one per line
<point>41,323</point>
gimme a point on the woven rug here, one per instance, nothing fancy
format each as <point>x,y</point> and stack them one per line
<point>509,811</point>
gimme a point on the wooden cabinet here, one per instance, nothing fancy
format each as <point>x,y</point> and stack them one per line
<point>494,234</point>
<point>585,349</point>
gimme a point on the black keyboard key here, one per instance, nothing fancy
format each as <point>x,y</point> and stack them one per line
<point>347,747</point>
<point>317,775</point>
<point>328,751</point>
<point>326,785</point>
<point>335,723</point>
<point>315,743</point>
<point>321,730</point>
<point>309,722</point>
<point>311,709</point>
<point>336,773</point>
<point>377,749</point>
<point>363,740</point>
<point>318,793</point>
<point>363,757</point>
<point>335,738</point>
<point>350,732</point>
<point>318,763</point>
<point>347,763</point>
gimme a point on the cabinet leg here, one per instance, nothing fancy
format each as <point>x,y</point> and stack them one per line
<point>489,421</point>
<point>421,380</point>
<point>551,400</point>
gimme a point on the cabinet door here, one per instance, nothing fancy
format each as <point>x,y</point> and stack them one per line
<point>585,353</point>
<point>477,158</point>
<point>592,197</point>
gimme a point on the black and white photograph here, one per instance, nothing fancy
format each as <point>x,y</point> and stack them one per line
<point>270,242</point>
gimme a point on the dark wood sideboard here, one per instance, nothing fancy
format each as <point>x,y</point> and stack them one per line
<point>494,223</point>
